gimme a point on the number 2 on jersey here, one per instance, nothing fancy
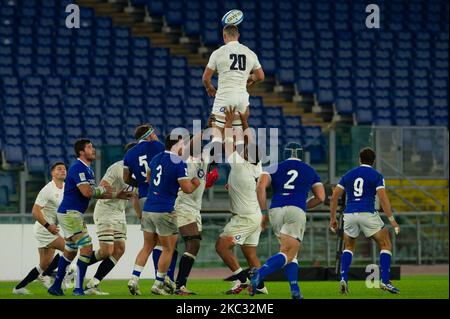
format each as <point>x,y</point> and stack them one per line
<point>294,174</point>
<point>240,60</point>
<point>358,187</point>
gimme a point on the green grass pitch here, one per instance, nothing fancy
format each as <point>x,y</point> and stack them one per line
<point>411,287</point>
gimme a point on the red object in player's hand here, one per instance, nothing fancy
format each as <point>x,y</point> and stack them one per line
<point>211,178</point>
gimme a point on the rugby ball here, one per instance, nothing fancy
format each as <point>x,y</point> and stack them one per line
<point>233,17</point>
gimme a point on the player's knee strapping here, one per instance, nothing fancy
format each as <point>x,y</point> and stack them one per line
<point>120,237</point>
<point>71,246</point>
<point>84,241</point>
<point>106,238</point>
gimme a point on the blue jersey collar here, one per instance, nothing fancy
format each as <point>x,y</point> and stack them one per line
<point>83,162</point>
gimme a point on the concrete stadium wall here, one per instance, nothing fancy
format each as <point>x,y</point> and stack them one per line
<point>19,254</point>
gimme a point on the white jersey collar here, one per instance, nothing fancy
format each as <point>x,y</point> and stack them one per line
<point>365,165</point>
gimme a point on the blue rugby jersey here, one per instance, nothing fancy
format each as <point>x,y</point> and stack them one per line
<point>292,180</point>
<point>166,170</point>
<point>361,184</point>
<point>79,173</point>
<point>137,159</point>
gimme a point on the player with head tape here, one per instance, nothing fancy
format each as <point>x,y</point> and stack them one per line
<point>187,211</point>
<point>238,67</point>
<point>79,189</point>
<point>361,185</point>
<point>291,181</point>
<point>244,227</point>
<point>46,230</point>
<point>110,221</point>
<point>168,173</point>
<point>135,174</point>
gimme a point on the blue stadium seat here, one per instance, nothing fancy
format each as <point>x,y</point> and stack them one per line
<point>13,154</point>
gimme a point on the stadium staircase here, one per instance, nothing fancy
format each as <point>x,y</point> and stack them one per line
<point>426,194</point>
<point>143,23</point>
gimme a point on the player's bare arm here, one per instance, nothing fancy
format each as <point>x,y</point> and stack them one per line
<point>207,76</point>
<point>123,194</point>
<point>137,206</point>
<point>39,216</point>
<point>255,77</point>
<point>261,186</point>
<point>128,178</point>
<point>337,193</point>
<point>318,198</point>
<point>189,185</point>
<point>99,192</point>
<point>386,205</point>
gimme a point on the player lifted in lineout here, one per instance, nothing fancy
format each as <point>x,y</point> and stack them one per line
<point>109,219</point>
<point>361,185</point>
<point>79,189</point>
<point>168,173</point>
<point>238,67</point>
<point>46,230</point>
<point>244,227</point>
<point>291,182</point>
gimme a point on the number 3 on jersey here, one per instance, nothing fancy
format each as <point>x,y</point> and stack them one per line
<point>294,174</point>
<point>158,175</point>
<point>358,187</point>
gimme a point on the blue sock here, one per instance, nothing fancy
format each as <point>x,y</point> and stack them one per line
<point>385,265</point>
<point>291,272</point>
<point>156,253</point>
<point>272,264</point>
<point>346,261</point>
<point>173,265</point>
<point>62,266</point>
<point>82,264</point>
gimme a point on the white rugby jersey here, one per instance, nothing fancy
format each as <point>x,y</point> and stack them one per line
<point>233,63</point>
<point>112,209</point>
<point>193,201</point>
<point>242,185</point>
<point>49,199</point>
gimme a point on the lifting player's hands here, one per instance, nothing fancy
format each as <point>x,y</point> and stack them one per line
<point>211,120</point>
<point>229,113</point>
<point>333,225</point>
<point>53,229</point>
<point>211,90</point>
<point>244,116</point>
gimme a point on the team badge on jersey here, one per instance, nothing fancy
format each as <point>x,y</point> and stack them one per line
<point>201,173</point>
<point>82,176</point>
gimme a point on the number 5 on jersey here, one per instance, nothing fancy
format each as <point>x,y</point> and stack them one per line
<point>143,162</point>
